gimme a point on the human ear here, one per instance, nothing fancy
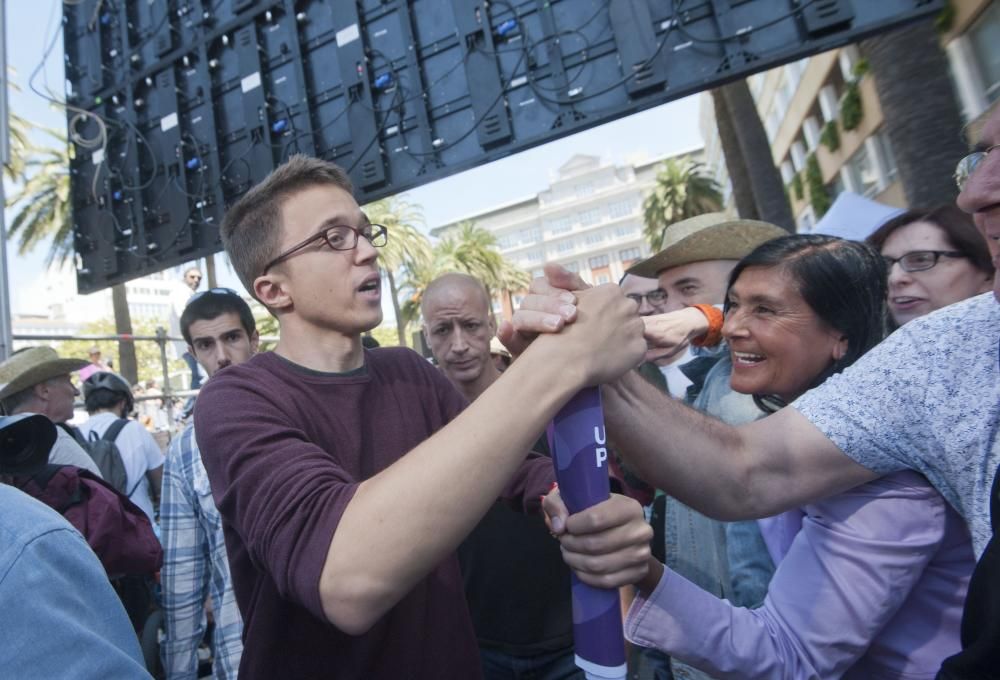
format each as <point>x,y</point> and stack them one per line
<point>271,290</point>
<point>840,349</point>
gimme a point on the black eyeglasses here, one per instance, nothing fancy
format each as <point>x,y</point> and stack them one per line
<point>920,260</point>
<point>338,237</point>
<point>968,165</point>
<point>213,291</point>
<point>653,297</point>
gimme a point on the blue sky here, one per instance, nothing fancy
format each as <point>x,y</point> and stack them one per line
<point>669,128</point>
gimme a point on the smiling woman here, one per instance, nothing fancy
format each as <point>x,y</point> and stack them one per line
<point>799,309</point>
<point>936,257</point>
<point>887,563</point>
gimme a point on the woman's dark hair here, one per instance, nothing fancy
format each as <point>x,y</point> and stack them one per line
<point>957,226</point>
<point>843,282</point>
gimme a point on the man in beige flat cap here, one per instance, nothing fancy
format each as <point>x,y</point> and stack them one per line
<point>37,380</point>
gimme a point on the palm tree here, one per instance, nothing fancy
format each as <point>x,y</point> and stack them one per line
<point>681,191</point>
<point>739,176</point>
<point>406,250</point>
<point>748,152</point>
<point>19,142</point>
<point>922,117</point>
<point>472,250</point>
<point>44,212</point>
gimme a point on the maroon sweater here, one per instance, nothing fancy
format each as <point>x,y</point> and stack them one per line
<point>285,449</point>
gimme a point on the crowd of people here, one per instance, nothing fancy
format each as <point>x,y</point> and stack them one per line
<point>805,434</point>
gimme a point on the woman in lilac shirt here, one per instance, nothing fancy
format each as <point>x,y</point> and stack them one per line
<point>872,585</point>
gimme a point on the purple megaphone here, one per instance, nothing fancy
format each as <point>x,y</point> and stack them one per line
<point>580,455</point>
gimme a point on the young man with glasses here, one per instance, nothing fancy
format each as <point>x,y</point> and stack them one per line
<point>220,331</point>
<point>927,399</point>
<point>346,477</point>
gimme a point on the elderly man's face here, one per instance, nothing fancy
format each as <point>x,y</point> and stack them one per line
<point>60,393</point>
<point>981,195</point>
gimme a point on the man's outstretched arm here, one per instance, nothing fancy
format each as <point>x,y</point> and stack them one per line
<point>390,530</point>
<point>725,472</point>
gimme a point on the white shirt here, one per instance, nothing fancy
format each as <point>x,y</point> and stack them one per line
<point>928,399</point>
<point>140,454</point>
<point>677,382</point>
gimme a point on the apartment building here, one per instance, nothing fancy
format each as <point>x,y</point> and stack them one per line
<point>799,101</point>
<point>589,219</point>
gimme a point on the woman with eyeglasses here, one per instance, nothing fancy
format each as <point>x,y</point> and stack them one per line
<point>935,257</point>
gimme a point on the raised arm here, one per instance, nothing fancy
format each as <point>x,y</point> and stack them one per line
<point>402,522</point>
<point>725,472</point>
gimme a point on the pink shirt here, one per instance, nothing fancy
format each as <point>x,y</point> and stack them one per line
<point>872,587</point>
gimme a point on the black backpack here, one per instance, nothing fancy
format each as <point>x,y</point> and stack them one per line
<point>108,458</point>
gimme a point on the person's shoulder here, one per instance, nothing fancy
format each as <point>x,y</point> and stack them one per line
<point>258,370</point>
<point>25,519</point>
<point>961,332</point>
<point>181,447</point>
<point>397,358</point>
<point>981,312</point>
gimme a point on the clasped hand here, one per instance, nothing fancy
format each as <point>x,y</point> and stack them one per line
<point>553,302</point>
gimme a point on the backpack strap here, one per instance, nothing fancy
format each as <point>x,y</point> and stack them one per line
<point>114,430</point>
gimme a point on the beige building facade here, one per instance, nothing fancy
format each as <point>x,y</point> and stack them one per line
<point>589,219</point>
<point>798,100</point>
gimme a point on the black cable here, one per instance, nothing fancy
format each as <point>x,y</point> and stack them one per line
<point>378,133</point>
<point>459,139</point>
<point>740,35</point>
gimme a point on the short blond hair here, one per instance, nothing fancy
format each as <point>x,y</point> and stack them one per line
<point>251,228</point>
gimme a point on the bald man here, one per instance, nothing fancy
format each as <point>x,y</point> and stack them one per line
<point>516,583</point>
<point>458,325</point>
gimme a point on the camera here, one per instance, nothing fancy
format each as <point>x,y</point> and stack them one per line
<point>25,442</point>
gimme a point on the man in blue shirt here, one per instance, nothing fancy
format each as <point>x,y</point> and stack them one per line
<point>220,330</point>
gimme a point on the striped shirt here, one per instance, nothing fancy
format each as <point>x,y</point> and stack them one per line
<point>195,567</point>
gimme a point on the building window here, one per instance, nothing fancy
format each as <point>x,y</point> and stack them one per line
<point>602,278</point>
<point>565,246</point>
<point>584,189</point>
<point>985,39</point>
<point>626,230</point>
<point>836,187</point>
<point>621,208</point>
<point>530,235</point>
<point>595,237</point>
<point>629,254</point>
<point>806,221</point>
<point>888,157</point>
<point>592,216</point>
<point>560,225</point>
<point>532,256</point>
<point>571,266</point>
<point>863,173</point>
<point>773,123</point>
<point>505,242</point>
<point>599,261</point>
